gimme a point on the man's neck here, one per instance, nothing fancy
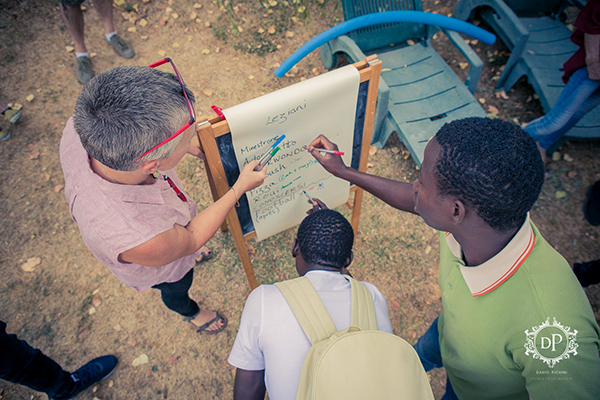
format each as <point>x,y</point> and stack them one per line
<point>120,177</point>
<point>482,243</point>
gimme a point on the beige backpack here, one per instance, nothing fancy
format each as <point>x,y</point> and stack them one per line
<point>359,362</point>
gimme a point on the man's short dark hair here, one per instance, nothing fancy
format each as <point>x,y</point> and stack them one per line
<point>325,238</point>
<point>492,166</point>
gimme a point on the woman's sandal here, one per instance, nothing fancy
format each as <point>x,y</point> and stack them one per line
<point>202,328</point>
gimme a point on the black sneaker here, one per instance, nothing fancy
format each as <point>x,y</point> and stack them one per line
<point>92,372</point>
<point>121,47</point>
<point>588,273</point>
<point>591,207</point>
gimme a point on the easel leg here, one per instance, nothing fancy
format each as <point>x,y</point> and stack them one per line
<point>240,244</point>
<point>213,190</point>
<point>358,195</point>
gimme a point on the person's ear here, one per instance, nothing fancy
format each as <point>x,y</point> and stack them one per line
<point>349,259</point>
<point>295,248</point>
<point>149,167</point>
<point>459,212</point>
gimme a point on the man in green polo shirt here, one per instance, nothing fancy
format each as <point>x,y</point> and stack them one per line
<point>515,322</point>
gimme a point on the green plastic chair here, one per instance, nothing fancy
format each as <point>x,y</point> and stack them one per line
<point>540,44</point>
<point>418,91</point>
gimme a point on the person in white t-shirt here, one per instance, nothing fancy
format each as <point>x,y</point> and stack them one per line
<point>270,345</point>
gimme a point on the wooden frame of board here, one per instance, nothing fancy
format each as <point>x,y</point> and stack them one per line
<point>209,128</point>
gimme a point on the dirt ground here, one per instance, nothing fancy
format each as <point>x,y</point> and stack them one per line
<point>70,306</point>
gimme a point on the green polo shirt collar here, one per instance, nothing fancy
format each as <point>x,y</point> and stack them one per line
<point>484,278</point>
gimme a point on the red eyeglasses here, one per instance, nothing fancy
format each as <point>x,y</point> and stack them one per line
<point>187,100</point>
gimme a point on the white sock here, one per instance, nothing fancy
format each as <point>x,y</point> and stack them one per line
<point>109,35</point>
<point>82,55</point>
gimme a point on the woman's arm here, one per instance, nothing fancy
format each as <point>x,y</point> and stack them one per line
<point>592,55</point>
<point>183,241</point>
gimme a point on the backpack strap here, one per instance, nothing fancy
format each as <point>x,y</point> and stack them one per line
<point>363,309</point>
<point>312,315</point>
<point>308,308</point>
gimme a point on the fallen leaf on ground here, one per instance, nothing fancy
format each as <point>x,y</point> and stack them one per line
<point>96,302</point>
<point>556,156</point>
<point>197,5</point>
<point>501,94</point>
<point>271,30</point>
<point>206,51</point>
<point>251,77</point>
<point>289,34</point>
<point>111,384</point>
<point>560,194</point>
<point>132,342</point>
<point>372,150</point>
<point>70,49</point>
<point>482,100</point>
<point>260,30</point>
<point>567,158</point>
<point>410,42</point>
<point>30,98</point>
<point>119,2</point>
<point>92,310</point>
<point>31,263</point>
<point>173,360</point>
<point>493,109</point>
<point>428,250</point>
<point>143,22</point>
<point>162,53</point>
<point>207,92</point>
<point>58,188</point>
<point>117,327</point>
<point>193,15</point>
<point>463,65</point>
<point>176,44</point>
<point>174,15</point>
<point>34,154</point>
<point>395,305</point>
<point>142,359</point>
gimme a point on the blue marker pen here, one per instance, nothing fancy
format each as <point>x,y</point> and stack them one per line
<point>266,154</point>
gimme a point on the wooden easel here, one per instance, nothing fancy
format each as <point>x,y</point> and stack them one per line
<point>369,70</point>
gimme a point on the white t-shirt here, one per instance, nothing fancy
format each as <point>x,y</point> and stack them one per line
<point>271,338</point>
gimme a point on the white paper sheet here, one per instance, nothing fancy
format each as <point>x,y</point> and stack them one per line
<point>325,104</point>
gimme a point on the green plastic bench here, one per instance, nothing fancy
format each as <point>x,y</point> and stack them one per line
<point>540,44</point>
<point>418,91</point>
